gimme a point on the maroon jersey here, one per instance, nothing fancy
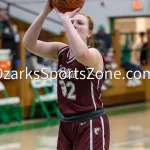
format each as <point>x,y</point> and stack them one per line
<point>79,89</point>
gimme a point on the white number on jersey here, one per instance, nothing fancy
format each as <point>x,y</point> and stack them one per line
<point>69,94</point>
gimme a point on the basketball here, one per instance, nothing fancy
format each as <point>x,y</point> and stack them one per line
<point>67,5</point>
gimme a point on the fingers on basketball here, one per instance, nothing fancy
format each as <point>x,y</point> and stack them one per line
<point>76,10</point>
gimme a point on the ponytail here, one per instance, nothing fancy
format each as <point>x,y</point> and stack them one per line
<point>90,41</point>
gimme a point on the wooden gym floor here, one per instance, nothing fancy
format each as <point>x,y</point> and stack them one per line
<point>128,132</point>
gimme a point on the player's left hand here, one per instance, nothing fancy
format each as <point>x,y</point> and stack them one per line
<point>71,14</point>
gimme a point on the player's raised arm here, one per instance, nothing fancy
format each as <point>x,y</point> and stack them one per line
<point>78,30</point>
<point>31,42</point>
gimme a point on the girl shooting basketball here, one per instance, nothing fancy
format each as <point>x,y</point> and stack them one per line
<point>84,125</point>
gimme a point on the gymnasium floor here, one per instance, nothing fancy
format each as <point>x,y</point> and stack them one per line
<point>128,132</point>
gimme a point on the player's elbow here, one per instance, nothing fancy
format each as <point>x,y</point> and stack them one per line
<point>29,45</point>
<point>25,43</point>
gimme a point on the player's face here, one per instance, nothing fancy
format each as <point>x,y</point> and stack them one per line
<point>80,23</point>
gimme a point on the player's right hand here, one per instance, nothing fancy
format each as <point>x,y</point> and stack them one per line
<point>71,14</point>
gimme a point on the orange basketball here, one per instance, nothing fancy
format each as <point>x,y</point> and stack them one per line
<point>67,5</point>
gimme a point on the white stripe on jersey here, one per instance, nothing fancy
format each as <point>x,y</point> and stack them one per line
<point>61,50</point>
<point>68,53</point>
<point>71,60</point>
<point>91,136</point>
<point>102,123</point>
<point>92,94</point>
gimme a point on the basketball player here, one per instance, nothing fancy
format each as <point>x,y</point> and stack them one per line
<point>84,125</point>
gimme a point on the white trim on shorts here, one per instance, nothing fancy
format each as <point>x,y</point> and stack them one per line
<point>103,138</point>
<point>91,135</point>
<point>102,132</point>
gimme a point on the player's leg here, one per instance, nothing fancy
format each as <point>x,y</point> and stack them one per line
<point>64,140</point>
<point>92,135</point>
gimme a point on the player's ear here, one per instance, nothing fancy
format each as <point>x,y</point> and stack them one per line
<point>89,34</point>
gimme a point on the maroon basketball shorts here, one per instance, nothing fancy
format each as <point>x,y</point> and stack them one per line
<point>93,134</point>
